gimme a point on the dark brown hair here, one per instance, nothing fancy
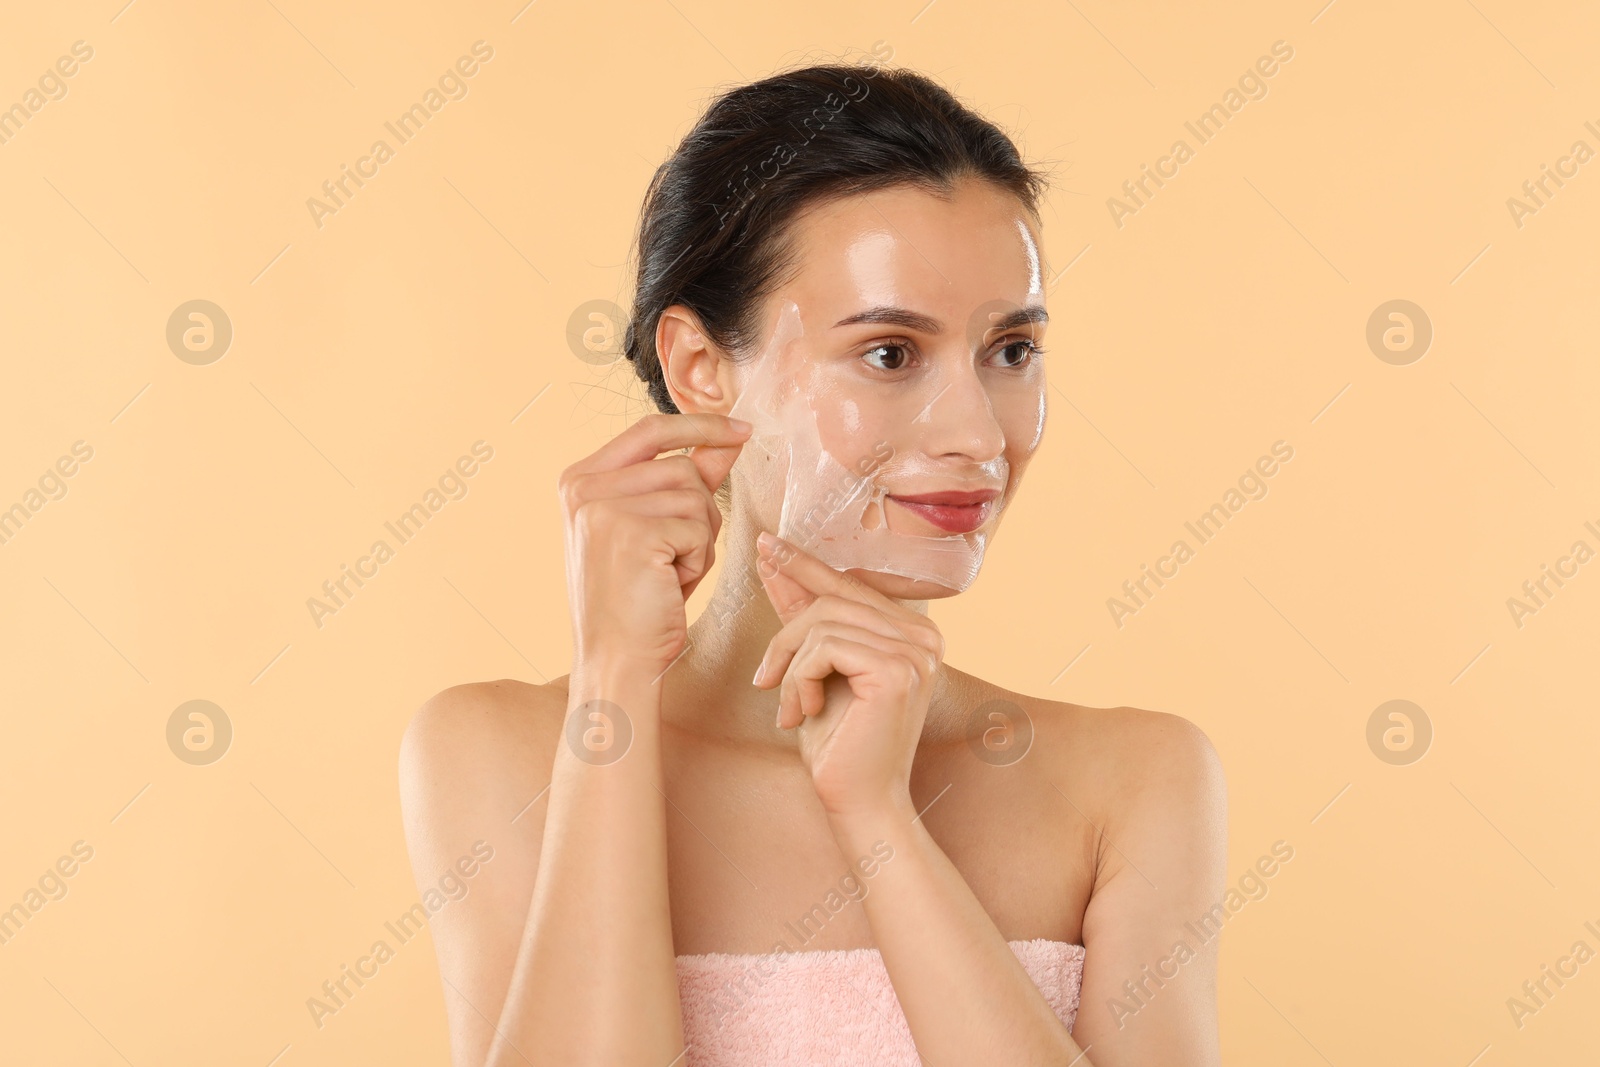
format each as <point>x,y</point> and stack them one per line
<point>711,233</point>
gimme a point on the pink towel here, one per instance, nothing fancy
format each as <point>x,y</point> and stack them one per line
<point>830,1007</point>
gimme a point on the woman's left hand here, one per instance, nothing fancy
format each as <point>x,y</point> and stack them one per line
<point>858,731</point>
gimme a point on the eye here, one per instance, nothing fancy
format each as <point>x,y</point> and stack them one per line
<point>1024,350</point>
<point>888,355</point>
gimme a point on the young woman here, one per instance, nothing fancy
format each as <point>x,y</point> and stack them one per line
<point>855,853</point>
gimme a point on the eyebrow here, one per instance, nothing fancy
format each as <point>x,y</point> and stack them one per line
<point>914,320</point>
<point>1022,317</point>
<point>894,316</point>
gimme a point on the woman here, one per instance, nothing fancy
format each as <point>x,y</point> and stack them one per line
<point>862,847</point>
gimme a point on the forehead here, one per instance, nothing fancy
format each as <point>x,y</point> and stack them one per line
<point>910,247</point>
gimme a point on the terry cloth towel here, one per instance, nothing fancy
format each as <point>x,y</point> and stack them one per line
<point>836,1007</point>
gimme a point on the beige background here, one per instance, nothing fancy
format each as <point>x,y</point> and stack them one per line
<point>368,354</point>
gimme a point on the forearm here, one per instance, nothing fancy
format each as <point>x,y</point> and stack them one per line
<point>595,979</point>
<point>941,949</point>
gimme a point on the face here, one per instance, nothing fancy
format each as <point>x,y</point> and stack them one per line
<point>906,340</point>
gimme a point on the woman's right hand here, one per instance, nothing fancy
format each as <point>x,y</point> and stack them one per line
<point>641,533</point>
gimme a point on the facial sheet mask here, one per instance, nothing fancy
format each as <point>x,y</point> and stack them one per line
<point>837,445</point>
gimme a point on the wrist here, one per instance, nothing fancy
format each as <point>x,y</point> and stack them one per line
<point>615,651</point>
<point>617,686</point>
<point>604,670</point>
<point>891,819</point>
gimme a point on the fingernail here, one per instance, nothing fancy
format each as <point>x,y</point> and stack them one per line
<point>765,542</point>
<point>761,668</point>
<point>740,425</point>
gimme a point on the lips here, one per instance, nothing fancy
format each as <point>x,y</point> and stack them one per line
<point>956,512</point>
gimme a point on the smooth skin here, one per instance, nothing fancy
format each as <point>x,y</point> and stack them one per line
<point>759,796</point>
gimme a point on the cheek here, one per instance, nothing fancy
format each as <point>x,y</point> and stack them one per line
<point>862,423</point>
<point>773,397</point>
<point>1023,419</point>
<point>759,475</point>
<point>1021,415</point>
<point>858,427</point>
<point>854,428</point>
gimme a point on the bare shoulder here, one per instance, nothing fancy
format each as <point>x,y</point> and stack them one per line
<point>479,725</point>
<point>474,755</point>
<point>1126,762</point>
<point>475,764</point>
<point>1154,789</point>
<point>1125,747</point>
<point>1149,789</point>
<point>477,720</point>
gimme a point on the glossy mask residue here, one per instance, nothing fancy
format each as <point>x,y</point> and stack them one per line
<point>834,448</point>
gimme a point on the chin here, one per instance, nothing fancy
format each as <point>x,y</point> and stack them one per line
<point>900,587</point>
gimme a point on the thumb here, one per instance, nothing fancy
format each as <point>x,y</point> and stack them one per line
<point>714,462</point>
<point>789,598</point>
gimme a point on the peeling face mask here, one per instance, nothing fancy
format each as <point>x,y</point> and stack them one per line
<point>835,446</point>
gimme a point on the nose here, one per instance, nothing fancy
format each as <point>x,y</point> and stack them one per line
<point>958,420</point>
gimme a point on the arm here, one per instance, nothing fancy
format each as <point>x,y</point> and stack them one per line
<point>943,952</point>
<point>941,948</point>
<point>568,929</point>
<point>1159,779</point>
<point>597,947</point>
<point>580,938</point>
<point>464,773</point>
<point>1162,870</point>
<point>855,671</point>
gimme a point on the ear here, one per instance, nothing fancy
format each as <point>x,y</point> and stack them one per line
<point>697,372</point>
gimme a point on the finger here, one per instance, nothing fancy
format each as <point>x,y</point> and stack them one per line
<point>678,520</point>
<point>850,652</point>
<point>666,504</point>
<point>787,596</point>
<point>790,599</point>
<point>818,578</point>
<point>710,558</point>
<point>675,471</point>
<point>657,433</point>
<point>805,682</point>
<point>666,474</point>
<point>686,539</point>
<point>714,462</point>
<point>821,615</point>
